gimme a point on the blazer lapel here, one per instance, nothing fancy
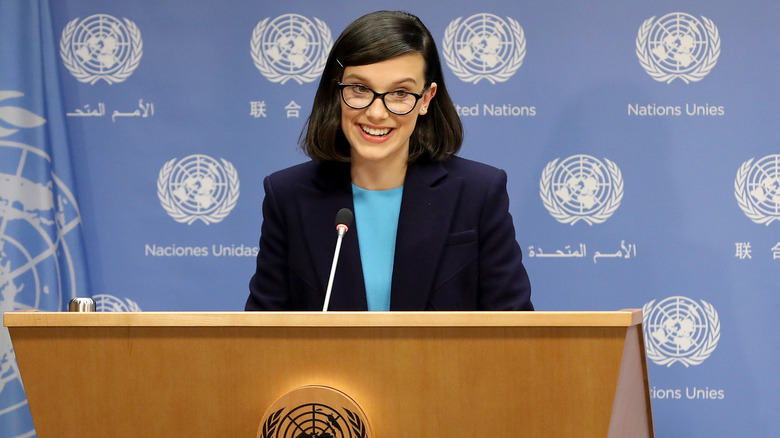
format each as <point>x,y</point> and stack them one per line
<point>319,201</point>
<point>429,199</point>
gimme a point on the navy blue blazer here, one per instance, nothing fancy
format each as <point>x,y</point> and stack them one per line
<point>455,245</point>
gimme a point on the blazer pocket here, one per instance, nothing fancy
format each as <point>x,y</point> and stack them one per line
<point>461,237</point>
<point>459,256</point>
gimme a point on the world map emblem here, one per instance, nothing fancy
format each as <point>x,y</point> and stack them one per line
<point>110,303</point>
<point>101,47</point>
<point>314,412</point>
<point>484,46</point>
<point>39,237</point>
<point>291,46</point>
<point>757,189</point>
<point>581,188</point>
<point>198,187</point>
<point>678,46</point>
<point>680,330</point>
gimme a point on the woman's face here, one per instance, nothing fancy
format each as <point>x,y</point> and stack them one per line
<point>376,135</point>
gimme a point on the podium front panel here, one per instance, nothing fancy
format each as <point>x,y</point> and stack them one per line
<point>411,379</point>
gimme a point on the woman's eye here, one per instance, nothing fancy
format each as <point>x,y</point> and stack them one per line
<point>359,89</point>
<point>399,94</point>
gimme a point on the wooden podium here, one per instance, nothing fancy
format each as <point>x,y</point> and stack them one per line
<point>417,375</point>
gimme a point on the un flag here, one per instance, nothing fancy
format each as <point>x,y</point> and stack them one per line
<point>42,262</point>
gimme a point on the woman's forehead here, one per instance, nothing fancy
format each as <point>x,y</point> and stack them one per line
<point>404,69</point>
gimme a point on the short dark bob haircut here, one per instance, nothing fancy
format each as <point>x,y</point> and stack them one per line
<point>373,38</point>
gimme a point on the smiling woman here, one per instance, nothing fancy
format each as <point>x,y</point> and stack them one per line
<point>373,39</point>
<point>379,137</point>
<point>433,231</point>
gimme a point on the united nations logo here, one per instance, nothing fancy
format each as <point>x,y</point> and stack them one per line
<point>291,47</point>
<point>678,329</point>
<point>678,45</point>
<point>484,46</point>
<point>198,187</point>
<point>39,236</point>
<point>757,189</point>
<point>110,303</point>
<point>581,188</point>
<point>101,47</point>
<point>314,412</point>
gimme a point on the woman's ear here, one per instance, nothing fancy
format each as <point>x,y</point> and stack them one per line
<point>427,97</point>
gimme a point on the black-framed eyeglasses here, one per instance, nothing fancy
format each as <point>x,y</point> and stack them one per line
<point>398,102</point>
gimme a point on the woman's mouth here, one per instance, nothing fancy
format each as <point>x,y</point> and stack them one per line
<point>376,132</point>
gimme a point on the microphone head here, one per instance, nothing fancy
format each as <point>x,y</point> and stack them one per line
<point>344,218</point>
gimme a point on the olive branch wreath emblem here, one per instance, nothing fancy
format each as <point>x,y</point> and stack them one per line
<point>705,349</point>
<point>270,425</point>
<point>357,427</point>
<point>314,71</point>
<point>110,303</point>
<point>502,75</point>
<point>82,75</point>
<point>607,209</point>
<point>743,198</point>
<point>657,73</point>
<point>179,215</point>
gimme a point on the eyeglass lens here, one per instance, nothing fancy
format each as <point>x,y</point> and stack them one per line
<point>358,97</point>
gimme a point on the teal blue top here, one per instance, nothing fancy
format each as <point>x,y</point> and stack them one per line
<point>376,218</point>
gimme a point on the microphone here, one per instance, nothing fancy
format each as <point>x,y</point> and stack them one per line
<point>344,220</point>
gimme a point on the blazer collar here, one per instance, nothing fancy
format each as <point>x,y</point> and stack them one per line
<point>429,199</point>
<point>319,199</point>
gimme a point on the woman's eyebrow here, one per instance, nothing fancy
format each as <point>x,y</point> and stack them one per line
<point>355,77</point>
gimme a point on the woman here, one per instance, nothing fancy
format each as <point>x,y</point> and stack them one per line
<point>432,230</point>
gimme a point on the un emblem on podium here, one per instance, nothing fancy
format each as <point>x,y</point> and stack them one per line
<point>678,45</point>
<point>101,47</point>
<point>678,329</point>
<point>314,412</point>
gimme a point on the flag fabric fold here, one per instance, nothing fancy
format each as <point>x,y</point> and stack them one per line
<point>42,257</point>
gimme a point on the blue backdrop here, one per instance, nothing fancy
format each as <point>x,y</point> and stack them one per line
<point>640,138</point>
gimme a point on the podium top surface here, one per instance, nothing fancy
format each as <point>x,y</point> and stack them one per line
<point>622,318</point>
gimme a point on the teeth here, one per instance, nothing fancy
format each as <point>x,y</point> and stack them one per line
<point>377,132</point>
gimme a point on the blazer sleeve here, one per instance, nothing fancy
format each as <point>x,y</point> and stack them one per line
<point>503,280</point>
<point>269,288</point>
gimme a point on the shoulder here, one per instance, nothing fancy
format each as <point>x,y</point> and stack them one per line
<point>310,172</point>
<point>294,173</point>
<point>476,180</point>
<point>473,172</point>
<point>456,163</point>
